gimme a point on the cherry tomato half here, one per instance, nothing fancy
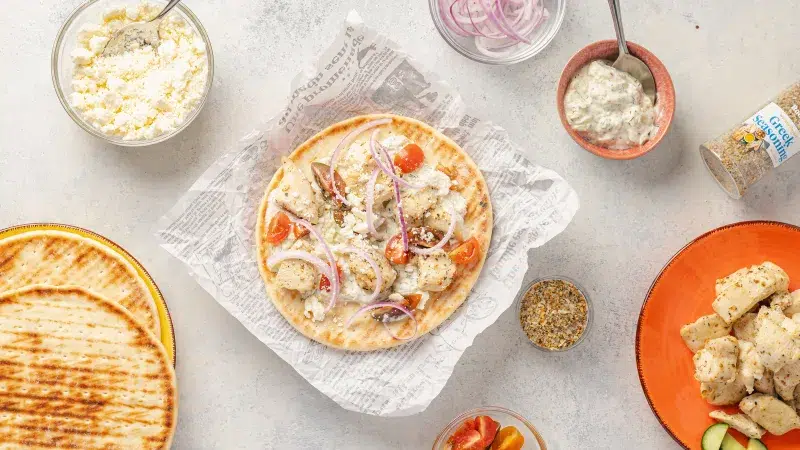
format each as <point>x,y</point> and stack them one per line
<point>409,159</point>
<point>466,253</point>
<point>299,231</point>
<point>394,250</point>
<point>279,228</point>
<point>325,283</point>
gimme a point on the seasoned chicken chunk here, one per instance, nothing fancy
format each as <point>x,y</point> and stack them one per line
<point>740,423</point>
<point>775,343</point>
<point>723,394</point>
<point>416,203</point>
<point>781,277</point>
<point>365,274</point>
<point>724,283</point>
<point>766,384</point>
<point>780,301</point>
<point>435,271</point>
<point>296,274</point>
<point>743,292</point>
<point>786,380</point>
<point>774,415</point>
<point>703,329</point>
<point>717,361</point>
<point>749,367</point>
<point>794,307</point>
<point>295,194</point>
<point>745,328</point>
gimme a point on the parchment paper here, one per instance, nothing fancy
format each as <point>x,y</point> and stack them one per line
<point>211,229</point>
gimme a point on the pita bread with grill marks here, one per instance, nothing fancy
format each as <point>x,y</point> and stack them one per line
<point>79,371</point>
<point>365,333</point>
<point>58,258</point>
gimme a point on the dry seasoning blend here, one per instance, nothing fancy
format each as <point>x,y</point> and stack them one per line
<point>740,157</point>
<point>554,314</point>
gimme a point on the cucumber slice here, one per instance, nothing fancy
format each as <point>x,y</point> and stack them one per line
<point>729,443</point>
<point>755,444</point>
<point>712,438</point>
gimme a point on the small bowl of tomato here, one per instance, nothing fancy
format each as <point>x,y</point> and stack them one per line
<point>489,427</point>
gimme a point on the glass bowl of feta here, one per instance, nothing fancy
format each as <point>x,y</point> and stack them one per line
<point>140,97</point>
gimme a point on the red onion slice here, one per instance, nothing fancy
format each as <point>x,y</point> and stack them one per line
<point>371,200</point>
<point>388,169</point>
<point>347,140</point>
<point>333,279</point>
<point>509,21</point>
<point>371,261</point>
<point>278,257</point>
<point>445,239</point>
<point>372,306</point>
<point>400,216</point>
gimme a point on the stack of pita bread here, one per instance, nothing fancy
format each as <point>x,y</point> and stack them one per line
<point>81,362</point>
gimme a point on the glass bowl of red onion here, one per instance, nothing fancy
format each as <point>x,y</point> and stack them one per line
<point>498,31</point>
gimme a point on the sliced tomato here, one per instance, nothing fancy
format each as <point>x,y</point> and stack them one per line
<point>509,438</point>
<point>325,283</point>
<point>467,252</point>
<point>299,231</point>
<point>468,440</point>
<point>467,425</point>
<point>279,228</point>
<point>409,159</point>
<point>411,301</point>
<point>487,427</point>
<point>394,250</point>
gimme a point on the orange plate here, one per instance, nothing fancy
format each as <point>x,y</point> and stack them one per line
<point>681,293</point>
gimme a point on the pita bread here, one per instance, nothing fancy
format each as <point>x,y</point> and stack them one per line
<point>365,333</point>
<point>79,371</point>
<point>58,258</point>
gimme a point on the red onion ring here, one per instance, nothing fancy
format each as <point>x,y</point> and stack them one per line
<point>333,279</point>
<point>371,261</point>
<point>509,21</point>
<point>371,200</point>
<point>500,21</point>
<point>388,169</point>
<point>400,216</point>
<point>279,257</point>
<point>372,306</point>
<point>445,239</point>
<point>347,140</point>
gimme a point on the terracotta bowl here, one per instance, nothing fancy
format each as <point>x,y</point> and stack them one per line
<point>665,95</point>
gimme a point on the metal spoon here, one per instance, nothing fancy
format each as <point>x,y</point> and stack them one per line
<point>627,62</point>
<point>137,35</point>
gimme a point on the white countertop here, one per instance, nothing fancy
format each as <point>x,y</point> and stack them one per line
<point>234,391</point>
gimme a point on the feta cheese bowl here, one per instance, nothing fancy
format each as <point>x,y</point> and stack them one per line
<point>141,97</point>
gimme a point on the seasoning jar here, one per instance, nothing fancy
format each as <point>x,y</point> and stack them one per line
<point>562,313</point>
<point>740,157</point>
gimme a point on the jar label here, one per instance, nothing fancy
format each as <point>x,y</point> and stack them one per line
<point>770,130</point>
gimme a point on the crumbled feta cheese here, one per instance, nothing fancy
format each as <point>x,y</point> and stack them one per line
<point>428,176</point>
<point>314,309</point>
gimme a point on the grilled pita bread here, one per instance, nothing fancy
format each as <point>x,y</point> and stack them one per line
<point>79,371</point>
<point>58,258</point>
<point>365,333</point>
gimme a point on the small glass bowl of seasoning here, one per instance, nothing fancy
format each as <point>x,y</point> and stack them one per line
<point>555,313</point>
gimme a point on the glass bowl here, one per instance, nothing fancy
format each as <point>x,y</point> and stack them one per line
<point>589,312</point>
<point>540,38</point>
<point>506,417</point>
<point>61,64</point>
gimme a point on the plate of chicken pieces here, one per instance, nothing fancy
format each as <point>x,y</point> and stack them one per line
<point>718,340</point>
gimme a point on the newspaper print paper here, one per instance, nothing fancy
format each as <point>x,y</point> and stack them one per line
<point>211,229</point>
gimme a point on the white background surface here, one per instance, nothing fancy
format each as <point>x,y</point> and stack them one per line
<point>234,392</point>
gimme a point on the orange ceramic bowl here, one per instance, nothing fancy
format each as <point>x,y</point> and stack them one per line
<point>681,293</point>
<point>665,95</point>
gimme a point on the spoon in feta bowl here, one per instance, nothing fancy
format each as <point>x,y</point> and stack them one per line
<point>625,61</point>
<point>139,34</point>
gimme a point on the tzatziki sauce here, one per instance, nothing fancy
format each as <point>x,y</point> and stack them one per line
<point>609,108</point>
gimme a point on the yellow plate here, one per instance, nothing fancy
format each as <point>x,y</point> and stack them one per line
<point>167,331</point>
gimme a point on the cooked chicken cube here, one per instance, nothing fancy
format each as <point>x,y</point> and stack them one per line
<point>774,415</point>
<point>703,329</point>
<point>717,361</point>
<point>794,308</point>
<point>775,344</point>
<point>786,380</point>
<point>295,194</point>
<point>435,271</point>
<point>723,394</point>
<point>766,384</point>
<point>416,203</point>
<point>437,218</point>
<point>744,291</point>
<point>749,367</point>
<point>723,283</point>
<point>296,274</point>
<point>740,423</point>
<point>780,301</point>
<point>365,274</point>
<point>745,328</point>
<point>781,277</point>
